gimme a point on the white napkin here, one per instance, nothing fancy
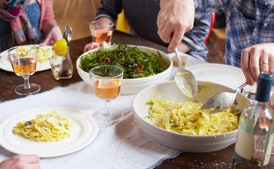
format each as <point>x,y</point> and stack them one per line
<point>120,146</point>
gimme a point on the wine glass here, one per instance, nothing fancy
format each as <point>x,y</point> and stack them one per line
<point>107,80</point>
<point>101,32</point>
<point>23,61</point>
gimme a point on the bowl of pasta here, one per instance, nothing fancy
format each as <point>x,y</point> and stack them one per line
<point>173,120</point>
<point>143,66</point>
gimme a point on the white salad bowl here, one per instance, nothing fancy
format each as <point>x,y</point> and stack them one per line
<point>133,86</point>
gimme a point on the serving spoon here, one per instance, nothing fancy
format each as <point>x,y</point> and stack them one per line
<point>222,100</point>
<point>185,80</point>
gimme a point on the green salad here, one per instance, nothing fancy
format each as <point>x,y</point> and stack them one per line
<point>136,63</point>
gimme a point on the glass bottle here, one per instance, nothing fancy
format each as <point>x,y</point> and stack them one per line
<point>61,66</point>
<point>255,134</point>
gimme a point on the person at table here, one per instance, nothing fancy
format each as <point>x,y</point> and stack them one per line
<point>142,17</point>
<point>21,162</point>
<point>174,19</point>
<point>249,32</point>
<point>27,22</point>
<point>257,58</point>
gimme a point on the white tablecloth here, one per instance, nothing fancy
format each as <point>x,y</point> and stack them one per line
<point>127,148</point>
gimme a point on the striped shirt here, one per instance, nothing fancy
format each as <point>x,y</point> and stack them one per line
<point>248,22</point>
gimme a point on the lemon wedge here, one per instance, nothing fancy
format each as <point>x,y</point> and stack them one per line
<point>60,47</point>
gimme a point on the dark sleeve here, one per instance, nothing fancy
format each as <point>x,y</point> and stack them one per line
<point>110,9</point>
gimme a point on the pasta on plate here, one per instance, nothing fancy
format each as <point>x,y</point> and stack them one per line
<point>43,53</point>
<point>44,128</point>
<point>188,118</point>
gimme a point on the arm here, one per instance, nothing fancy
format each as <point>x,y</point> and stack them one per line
<point>92,45</point>
<point>109,9</point>
<point>196,37</point>
<point>174,19</point>
<point>21,162</point>
<point>256,59</point>
<point>48,25</point>
<point>108,12</point>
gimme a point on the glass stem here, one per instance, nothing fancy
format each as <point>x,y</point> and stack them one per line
<point>26,82</point>
<point>107,106</point>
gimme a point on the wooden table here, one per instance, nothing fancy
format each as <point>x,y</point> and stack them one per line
<point>8,80</point>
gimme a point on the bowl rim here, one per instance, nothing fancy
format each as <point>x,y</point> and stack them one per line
<point>171,132</point>
<point>168,68</point>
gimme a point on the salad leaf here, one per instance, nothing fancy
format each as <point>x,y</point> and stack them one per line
<point>136,63</point>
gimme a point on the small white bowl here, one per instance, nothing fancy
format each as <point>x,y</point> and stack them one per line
<point>133,86</point>
<point>183,142</point>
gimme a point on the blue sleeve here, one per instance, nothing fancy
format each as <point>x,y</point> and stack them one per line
<point>197,36</point>
<point>199,32</point>
<point>203,10</point>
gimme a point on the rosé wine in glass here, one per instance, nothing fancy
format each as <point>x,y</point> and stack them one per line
<point>23,60</point>
<point>101,32</point>
<point>107,81</point>
<point>107,89</point>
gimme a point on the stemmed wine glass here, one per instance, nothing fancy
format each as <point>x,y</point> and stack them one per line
<point>23,61</point>
<point>107,80</point>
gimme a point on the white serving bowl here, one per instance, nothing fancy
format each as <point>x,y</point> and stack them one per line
<point>183,142</point>
<point>133,86</point>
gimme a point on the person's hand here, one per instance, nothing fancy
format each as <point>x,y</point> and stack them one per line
<point>174,19</point>
<point>21,162</point>
<point>256,59</point>
<point>53,35</point>
<point>91,46</point>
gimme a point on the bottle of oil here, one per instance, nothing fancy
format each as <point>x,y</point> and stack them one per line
<point>255,134</point>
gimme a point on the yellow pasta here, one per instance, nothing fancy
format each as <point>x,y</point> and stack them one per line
<point>44,128</point>
<point>188,118</point>
<point>43,54</point>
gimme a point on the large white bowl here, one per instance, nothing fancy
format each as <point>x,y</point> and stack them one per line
<point>183,142</point>
<point>133,86</point>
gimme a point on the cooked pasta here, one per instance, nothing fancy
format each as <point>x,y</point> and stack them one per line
<point>44,128</point>
<point>188,118</point>
<point>43,54</point>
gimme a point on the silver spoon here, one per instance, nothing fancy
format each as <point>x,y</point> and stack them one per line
<point>67,34</point>
<point>222,100</point>
<point>184,79</point>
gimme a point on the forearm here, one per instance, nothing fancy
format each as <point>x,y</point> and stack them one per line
<point>47,18</point>
<point>48,25</point>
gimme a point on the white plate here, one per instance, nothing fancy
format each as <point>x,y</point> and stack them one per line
<point>5,63</point>
<point>84,132</point>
